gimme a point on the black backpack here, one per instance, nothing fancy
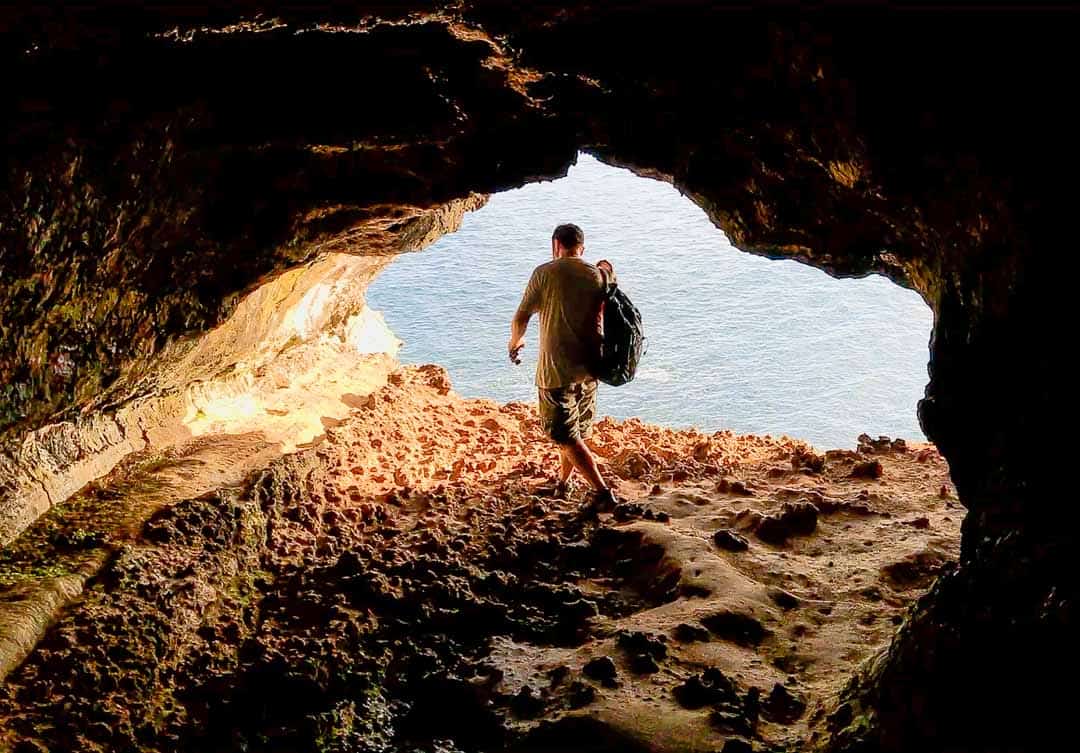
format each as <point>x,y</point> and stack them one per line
<point>624,337</point>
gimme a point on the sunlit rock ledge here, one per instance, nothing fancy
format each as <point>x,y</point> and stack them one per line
<point>286,363</point>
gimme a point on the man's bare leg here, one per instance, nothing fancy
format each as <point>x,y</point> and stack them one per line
<point>566,465</point>
<point>582,459</point>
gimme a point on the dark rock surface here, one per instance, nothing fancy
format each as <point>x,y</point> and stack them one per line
<point>782,705</point>
<point>710,687</point>
<point>687,633</point>
<point>730,541</point>
<point>868,469</point>
<point>154,172</point>
<point>793,519</point>
<point>279,617</point>
<point>601,669</point>
<point>783,599</point>
<point>744,629</point>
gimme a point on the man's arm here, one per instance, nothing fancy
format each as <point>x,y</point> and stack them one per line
<point>530,303</point>
<point>517,334</point>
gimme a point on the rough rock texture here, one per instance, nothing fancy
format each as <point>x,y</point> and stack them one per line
<point>275,340</point>
<point>27,613</point>
<point>407,584</point>
<point>159,163</point>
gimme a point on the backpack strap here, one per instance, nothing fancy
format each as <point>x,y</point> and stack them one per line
<point>610,283</point>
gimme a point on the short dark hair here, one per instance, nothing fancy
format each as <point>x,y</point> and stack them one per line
<point>570,236</point>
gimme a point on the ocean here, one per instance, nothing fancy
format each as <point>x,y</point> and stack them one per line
<point>735,341</point>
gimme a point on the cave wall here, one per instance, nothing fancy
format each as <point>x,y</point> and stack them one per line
<point>307,325</point>
<point>160,164</point>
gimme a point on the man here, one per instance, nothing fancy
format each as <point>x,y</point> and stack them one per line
<point>567,292</point>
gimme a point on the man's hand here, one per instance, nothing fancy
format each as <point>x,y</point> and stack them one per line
<point>514,347</point>
<point>518,326</point>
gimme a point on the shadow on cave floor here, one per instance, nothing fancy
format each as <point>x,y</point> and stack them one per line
<point>405,585</point>
<point>111,511</point>
<point>48,565</point>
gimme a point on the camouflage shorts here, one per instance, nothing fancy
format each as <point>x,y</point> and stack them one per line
<point>567,413</point>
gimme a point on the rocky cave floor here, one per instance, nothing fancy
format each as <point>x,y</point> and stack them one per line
<point>406,584</point>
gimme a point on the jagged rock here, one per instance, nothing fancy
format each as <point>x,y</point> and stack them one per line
<point>601,669</point>
<point>687,633</point>
<point>740,488</point>
<point>706,689</point>
<point>628,510</point>
<point>730,541</point>
<point>644,651</point>
<point>580,694</point>
<point>882,444</point>
<point>558,674</point>
<point>748,520</point>
<point>807,460</point>
<point>916,570</point>
<point>794,519</point>
<point>752,704</point>
<point>526,703</point>
<point>643,664</point>
<point>637,642</point>
<point>731,719</point>
<point>631,464</point>
<point>736,487</point>
<point>869,469</point>
<point>744,629</point>
<point>782,706</point>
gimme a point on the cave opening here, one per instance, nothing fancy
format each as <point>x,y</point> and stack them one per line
<point>195,167</point>
<point>736,341</point>
<point>396,544</point>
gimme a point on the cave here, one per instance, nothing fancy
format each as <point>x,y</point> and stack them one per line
<point>191,193</point>
<point>754,345</point>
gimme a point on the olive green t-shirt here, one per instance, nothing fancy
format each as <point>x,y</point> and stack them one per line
<point>567,294</point>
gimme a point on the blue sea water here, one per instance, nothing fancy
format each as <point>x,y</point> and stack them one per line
<point>735,341</point>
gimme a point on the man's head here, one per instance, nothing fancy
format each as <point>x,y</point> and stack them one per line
<point>567,240</point>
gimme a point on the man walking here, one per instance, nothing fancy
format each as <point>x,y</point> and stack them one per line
<point>567,292</point>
